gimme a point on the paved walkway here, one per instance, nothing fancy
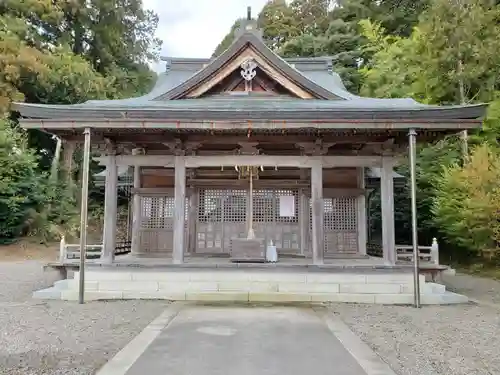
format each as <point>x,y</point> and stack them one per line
<point>203,340</point>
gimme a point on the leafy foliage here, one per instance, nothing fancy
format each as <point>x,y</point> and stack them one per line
<point>61,52</point>
<point>21,191</point>
<point>467,202</point>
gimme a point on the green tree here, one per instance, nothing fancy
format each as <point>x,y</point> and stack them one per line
<point>278,23</point>
<point>228,39</point>
<point>467,203</point>
<point>21,187</point>
<point>115,36</point>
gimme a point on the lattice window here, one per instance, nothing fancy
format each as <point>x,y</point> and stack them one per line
<point>222,205</point>
<point>270,224</point>
<point>124,210</point>
<point>264,206</point>
<point>340,214</point>
<point>340,224</point>
<point>157,212</point>
<point>221,216</point>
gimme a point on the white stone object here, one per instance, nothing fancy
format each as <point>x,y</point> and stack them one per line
<point>435,251</point>
<point>62,249</point>
<point>271,253</point>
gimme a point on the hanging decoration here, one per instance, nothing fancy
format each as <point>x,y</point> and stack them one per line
<point>251,172</point>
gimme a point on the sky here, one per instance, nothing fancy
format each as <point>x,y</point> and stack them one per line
<point>194,28</point>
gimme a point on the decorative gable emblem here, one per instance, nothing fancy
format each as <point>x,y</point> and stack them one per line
<point>248,73</point>
<point>248,69</point>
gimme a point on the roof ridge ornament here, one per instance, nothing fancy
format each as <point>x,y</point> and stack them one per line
<point>248,25</point>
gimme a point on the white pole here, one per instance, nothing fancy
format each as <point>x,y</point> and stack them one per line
<point>413,156</point>
<point>83,215</point>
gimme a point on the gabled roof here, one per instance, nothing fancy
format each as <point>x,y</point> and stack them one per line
<point>249,41</point>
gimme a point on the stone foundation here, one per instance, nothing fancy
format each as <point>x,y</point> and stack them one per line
<point>250,286</point>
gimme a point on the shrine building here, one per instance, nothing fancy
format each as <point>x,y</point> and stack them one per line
<point>234,153</point>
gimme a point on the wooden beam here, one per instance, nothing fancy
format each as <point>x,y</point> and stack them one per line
<point>221,139</point>
<point>264,160</point>
<point>283,161</point>
<point>267,125</point>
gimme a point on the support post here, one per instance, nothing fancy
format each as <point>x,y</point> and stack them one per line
<point>83,215</point>
<point>192,216</point>
<point>413,184</point>
<point>361,214</point>
<point>317,212</point>
<point>136,210</point>
<point>54,170</point>
<point>179,212</point>
<point>68,151</point>
<point>387,203</point>
<point>303,221</point>
<point>110,210</point>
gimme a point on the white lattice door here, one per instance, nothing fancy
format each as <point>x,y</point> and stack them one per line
<point>276,218</point>
<point>221,216</point>
<point>156,229</point>
<point>340,226</point>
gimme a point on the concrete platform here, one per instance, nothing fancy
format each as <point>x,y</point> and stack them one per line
<point>246,340</point>
<point>251,285</point>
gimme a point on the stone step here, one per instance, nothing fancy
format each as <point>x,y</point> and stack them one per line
<point>48,293</point>
<point>64,284</point>
<point>255,276</point>
<point>275,297</point>
<point>250,286</point>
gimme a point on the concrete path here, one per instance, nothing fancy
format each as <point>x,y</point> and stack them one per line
<point>202,340</point>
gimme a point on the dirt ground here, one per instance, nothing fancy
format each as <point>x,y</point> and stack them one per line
<point>29,250</point>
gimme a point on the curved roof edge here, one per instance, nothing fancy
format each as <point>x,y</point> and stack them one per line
<point>251,109</point>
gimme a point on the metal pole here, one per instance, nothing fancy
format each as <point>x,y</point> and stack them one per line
<point>83,214</point>
<point>416,280</point>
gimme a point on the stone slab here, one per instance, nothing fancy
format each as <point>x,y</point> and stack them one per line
<point>246,341</point>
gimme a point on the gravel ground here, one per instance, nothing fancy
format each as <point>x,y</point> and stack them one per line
<point>480,288</point>
<point>440,340</point>
<point>56,337</point>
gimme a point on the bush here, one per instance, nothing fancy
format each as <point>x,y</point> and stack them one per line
<point>21,184</point>
<point>467,202</point>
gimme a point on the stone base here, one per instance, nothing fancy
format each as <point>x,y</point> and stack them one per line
<point>248,250</point>
<point>250,286</point>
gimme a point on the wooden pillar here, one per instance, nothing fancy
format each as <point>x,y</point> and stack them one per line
<point>68,153</point>
<point>387,203</point>
<point>361,214</point>
<point>179,214</point>
<point>304,222</point>
<point>192,211</point>
<point>110,210</point>
<point>317,212</point>
<point>136,213</point>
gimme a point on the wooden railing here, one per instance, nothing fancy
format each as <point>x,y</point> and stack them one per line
<point>427,254</point>
<point>70,252</point>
